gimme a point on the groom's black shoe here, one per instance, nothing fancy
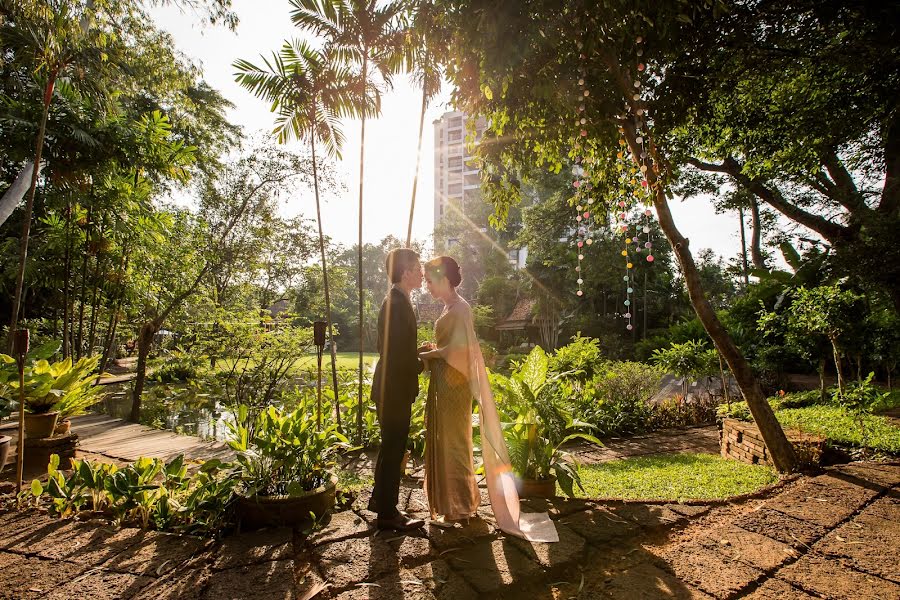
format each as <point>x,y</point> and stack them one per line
<point>399,523</point>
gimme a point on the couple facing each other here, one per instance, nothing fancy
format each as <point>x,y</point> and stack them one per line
<point>457,378</point>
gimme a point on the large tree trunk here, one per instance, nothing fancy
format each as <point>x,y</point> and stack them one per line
<point>334,377</point>
<point>412,204</point>
<point>14,194</point>
<point>759,261</point>
<point>145,341</point>
<point>29,208</point>
<point>780,449</point>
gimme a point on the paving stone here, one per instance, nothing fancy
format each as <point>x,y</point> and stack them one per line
<point>458,534</point>
<point>340,526</point>
<point>569,549</point>
<point>752,548</point>
<point>98,545</point>
<point>417,502</point>
<point>491,564</point>
<point>556,507</point>
<point>23,577</point>
<point>433,581</point>
<point>156,554</point>
<point>649,516</point>
<point>780,527</point>
<point>272,580</point>
<point>867,543</point>
<point>186,583</point>
<point>32,532</point>
<point>648,582</point>
<point>832,579</point>
<point>356,560</point>
<point>411,549</point>
<point>253,547</point>
<point>775,588</point>
<point>882,474</point>
<point>825,503</point>
<point>600,526</point>
<point>886,507</point>
<point>708,570</point>
<point>101,585</point>
<point>689,510</point>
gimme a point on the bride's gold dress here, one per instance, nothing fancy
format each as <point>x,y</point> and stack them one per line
<point>449,459</point>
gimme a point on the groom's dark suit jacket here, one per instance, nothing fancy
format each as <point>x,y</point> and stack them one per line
<point>396,381</point>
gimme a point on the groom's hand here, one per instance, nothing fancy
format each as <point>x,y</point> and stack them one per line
<point>425,347</point>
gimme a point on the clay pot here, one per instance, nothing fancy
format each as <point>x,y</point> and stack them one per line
<point>537,488</point>
<point>257,511</point>
<point>4,449</point>
<point>40,425</point>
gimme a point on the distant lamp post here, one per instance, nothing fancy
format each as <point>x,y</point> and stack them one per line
<point>20,349</point>
<point>319,340</point>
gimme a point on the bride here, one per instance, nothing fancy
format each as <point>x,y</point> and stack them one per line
<point>458,375</point>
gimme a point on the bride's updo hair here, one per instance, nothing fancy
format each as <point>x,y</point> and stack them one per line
<point>444,267</point>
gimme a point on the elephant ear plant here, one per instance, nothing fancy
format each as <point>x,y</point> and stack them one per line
<point>64,386</point>
<point>282,453</point>
<point>536,424</point>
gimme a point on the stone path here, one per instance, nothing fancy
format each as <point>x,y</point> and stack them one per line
<point>836,535</point>
<point>696,440</point>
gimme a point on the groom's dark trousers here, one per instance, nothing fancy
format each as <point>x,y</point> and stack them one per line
<point>394,389</point>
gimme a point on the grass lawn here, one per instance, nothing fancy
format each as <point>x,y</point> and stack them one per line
<point>835,424</point>
<point>673,477</point>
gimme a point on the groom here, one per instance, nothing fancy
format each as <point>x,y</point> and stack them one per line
<point>395,385</point>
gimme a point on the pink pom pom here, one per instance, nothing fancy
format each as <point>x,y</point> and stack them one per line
<point>577,183</point>
<point>580,244</point>
<point>650,258</point>
<point>587,215</point>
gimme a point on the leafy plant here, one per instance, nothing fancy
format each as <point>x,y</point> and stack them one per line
<point>282,453</point>
<point>859,399</point>
<point>685,360</point>
<point>181,366</point>
<point>64,386</point>
<point>536,424</point>
<point>581,356</point>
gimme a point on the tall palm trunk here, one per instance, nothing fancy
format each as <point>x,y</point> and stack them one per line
<point>79,340</point>
<point>359,280</point>
<point>334,378</point>
<point>412,204</point>
<point>67,276</point>
<point>29,208</point>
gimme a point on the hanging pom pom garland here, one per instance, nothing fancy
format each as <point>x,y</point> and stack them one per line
<point>581,181</point>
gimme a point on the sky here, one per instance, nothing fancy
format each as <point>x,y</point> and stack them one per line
<point>390,140</point>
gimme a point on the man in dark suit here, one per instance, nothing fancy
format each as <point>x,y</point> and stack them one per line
<point>395,385</point>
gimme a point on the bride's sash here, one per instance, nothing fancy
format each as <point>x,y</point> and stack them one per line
<point>463,353</point>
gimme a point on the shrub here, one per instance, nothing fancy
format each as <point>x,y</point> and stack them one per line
<point>180,367</point>
<point>616,400</point>
<point>581,356</point>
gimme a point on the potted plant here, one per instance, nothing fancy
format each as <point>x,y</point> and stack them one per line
<point>79,393</point>
<point>536,425</point>
<point>47,385</point>
<point>286,466</point>
<point>5,410</point>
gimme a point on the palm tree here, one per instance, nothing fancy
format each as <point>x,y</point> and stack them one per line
<point>310,92</point>
<point>422,61</point>
<point>367,37</point>
<point>55,41</point>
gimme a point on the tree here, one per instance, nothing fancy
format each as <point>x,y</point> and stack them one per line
<point>423,63</point>
<point>63,43</point>
<point>365,36</point>
<point>310,92</point>
<point>525,81</point>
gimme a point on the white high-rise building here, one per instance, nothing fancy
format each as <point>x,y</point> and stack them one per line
<point>457,179</point>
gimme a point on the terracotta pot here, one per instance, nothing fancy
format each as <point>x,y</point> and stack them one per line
<point>63,427</point>
<point>39,426</point>
<point>537,488</point>
<point>4,449</point>
<point>290,511</point>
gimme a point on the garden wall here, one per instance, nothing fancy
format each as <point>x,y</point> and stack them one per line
<point>742,441</point>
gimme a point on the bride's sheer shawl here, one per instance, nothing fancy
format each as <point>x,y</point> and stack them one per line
<point>462,352</point>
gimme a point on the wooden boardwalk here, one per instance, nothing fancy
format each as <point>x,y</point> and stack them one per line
<point>123,441</point>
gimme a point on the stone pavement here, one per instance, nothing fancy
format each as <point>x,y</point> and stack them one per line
<point>836,535</point>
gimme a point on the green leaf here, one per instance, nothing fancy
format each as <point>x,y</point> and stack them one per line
<point>36,488</point>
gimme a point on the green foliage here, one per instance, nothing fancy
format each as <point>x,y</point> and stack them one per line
<point>283,453</point>
<point>685,360</point>
<point>536,424</point>
<point>843,428</point>
<point>674,477</point>
<point>6,407</point>
<point>148,493</point>
<point>64,386</point>
<point>179,367</point>
<point>582,356</point>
